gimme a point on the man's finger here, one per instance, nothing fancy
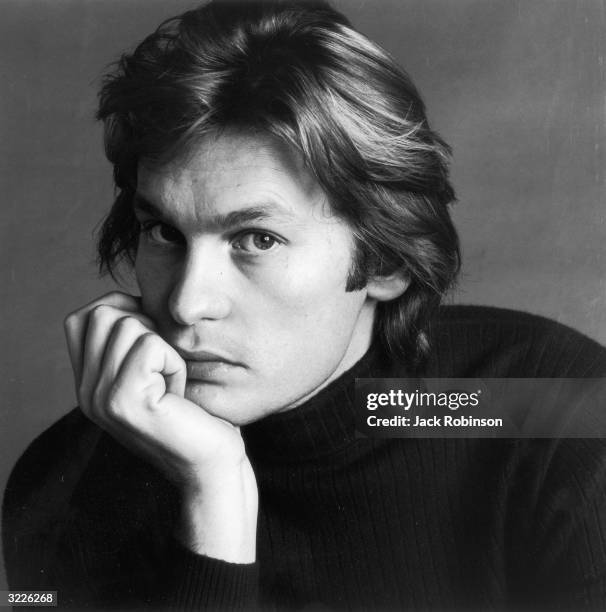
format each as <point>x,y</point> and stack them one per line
<point>152,359</point>
<point>123,335</point>
<point>75,328</point>
<point>75,325</point>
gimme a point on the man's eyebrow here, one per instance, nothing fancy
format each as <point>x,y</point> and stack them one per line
<point>142,204</point>
<point>255,212</point>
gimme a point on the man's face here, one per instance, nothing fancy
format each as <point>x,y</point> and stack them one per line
<point>242,265</point>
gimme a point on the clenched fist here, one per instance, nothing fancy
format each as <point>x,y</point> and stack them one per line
<point>131,383</point>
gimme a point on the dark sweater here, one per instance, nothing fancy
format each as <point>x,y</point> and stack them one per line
<point>344,521</point>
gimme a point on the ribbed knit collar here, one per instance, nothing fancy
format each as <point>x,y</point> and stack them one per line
<point>321,426</point>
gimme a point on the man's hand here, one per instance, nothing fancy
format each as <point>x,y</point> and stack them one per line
<point>131,383</point>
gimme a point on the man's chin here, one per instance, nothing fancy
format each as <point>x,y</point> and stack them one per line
<point>223,404</point>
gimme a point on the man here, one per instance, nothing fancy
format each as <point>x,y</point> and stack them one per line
<point>284,203</point>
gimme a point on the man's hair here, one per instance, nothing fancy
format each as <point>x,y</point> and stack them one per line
<point>300,72</point>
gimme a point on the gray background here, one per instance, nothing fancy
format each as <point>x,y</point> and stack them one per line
<point>517,87</point>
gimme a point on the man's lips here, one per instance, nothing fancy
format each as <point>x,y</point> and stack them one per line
<point>205,356</point>
<point>207,365</point>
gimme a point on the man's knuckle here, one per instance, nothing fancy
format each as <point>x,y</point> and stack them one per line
<point>120,301</point>
<point>128,324</point>
<point>70,321</point>
<point>120,297</point>
<point>102,312</point>
<point>148,341</point>
<point>112,295</point>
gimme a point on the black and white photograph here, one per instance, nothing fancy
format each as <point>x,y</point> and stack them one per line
<point>269,268</point>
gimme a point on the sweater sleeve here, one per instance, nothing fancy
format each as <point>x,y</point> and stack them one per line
<point>37,496</point>
<point>569,553</point>
<point>556,534</point>
<point>84,517</point>
<point>198,582</point>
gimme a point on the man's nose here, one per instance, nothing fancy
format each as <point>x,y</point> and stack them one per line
<point>200,292</point>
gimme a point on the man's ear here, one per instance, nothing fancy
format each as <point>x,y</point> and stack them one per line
<point>386,288</point>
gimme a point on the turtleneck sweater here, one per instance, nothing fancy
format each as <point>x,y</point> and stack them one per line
<point>345,521</point>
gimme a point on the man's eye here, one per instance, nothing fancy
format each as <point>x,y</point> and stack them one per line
<point>255,241</point>
<point>161,233</point>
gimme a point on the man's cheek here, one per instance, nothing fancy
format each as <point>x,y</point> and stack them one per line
<point>144,276</point>
<point>154,288</point>
<point>303,295</point>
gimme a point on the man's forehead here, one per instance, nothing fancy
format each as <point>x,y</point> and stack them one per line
<point>233,170</point>
<point>233,152</point>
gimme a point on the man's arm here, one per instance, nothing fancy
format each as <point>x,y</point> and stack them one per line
<point>131,383</point>
<point>568,555</point>
<point>65,528</point>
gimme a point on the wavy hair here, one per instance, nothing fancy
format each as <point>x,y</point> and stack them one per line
<point>299,71</point>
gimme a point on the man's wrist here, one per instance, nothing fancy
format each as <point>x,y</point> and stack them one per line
<point>219,515</point>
